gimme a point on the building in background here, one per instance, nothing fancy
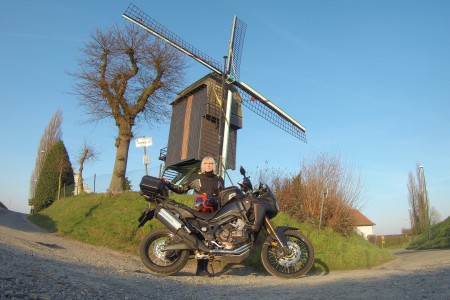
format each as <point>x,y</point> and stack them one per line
<point>363,226</point>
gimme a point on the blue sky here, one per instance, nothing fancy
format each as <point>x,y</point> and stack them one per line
<point>370,80</point>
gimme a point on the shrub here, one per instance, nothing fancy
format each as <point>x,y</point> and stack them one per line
<point>55,174</point>
<point>301,195</point>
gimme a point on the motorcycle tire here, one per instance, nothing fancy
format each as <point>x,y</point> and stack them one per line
<point>297,263</point>
<point>159,261</point>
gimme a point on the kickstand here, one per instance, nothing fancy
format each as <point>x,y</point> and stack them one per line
<point>212,268</point>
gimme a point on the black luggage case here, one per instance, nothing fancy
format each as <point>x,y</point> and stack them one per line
<point>152,185</point>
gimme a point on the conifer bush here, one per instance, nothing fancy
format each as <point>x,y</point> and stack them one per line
<point>55,175</point>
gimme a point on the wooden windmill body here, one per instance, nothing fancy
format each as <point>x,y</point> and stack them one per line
<point>195,125</point>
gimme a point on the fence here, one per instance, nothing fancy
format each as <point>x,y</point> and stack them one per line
<point>390,241</point>
<point>99,183</point>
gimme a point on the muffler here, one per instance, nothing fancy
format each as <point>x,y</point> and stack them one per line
<point>174,224</point>
<point>171,221</point>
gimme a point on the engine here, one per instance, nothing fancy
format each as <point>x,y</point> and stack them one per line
<point>232,234</point>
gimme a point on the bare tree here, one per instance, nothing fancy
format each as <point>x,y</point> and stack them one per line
<point>51,135</point>
<point>421,215</point>
<point>301,195</point>
<point>414,204</point>
<point>87,153</point>
<point>435,216</point>
<point>127,75</point>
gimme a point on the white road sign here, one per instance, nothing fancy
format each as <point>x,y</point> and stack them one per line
<point>143,142</point>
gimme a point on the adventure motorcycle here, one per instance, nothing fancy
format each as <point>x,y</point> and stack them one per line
<point>227,234</point>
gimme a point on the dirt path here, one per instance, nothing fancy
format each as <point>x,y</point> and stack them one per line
<point>40,265</point>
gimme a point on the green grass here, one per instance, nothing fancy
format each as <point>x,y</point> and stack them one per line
<point>112,222</point>
<point>437,238</point>
<point>398,246</point>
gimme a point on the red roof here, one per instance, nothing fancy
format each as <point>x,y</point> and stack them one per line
<point>359,219</point>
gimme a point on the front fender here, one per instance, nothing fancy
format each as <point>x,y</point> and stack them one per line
<point>281,237</point>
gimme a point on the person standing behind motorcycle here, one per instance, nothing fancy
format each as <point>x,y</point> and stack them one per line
<point>204,182</point>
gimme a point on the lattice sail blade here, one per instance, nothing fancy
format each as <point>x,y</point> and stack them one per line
<point>235,50</point>
<point>140,18</point>
<point>269,111</point>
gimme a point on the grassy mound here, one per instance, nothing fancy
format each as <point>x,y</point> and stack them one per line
<point>437,238</point>
<point>112,222</point>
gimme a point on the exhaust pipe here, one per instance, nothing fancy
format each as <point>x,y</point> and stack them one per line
<point>174,224</point>
<point>171,221</point>
<point>233,256</point>
<point>237,251</point>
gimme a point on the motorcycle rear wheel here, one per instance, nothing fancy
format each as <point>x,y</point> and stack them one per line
<point>297,263</point>
<point>156,259</point>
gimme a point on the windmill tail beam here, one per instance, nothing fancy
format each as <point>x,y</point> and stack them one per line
<point>270,105</point>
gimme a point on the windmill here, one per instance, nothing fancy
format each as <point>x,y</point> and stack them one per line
<point>211,105</point>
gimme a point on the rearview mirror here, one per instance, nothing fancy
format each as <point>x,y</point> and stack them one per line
<point>242,170</point>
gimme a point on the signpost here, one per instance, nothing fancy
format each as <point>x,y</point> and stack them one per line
<point>144,142</point>
<point>324,195</point>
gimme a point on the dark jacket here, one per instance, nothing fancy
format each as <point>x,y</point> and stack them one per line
<point>203,183</point>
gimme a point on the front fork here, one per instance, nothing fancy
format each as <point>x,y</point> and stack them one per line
<point>279,238</point>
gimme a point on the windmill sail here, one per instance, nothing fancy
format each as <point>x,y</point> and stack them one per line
<point>235,49</point>
<point>269,111</point>
<point>137,16</point>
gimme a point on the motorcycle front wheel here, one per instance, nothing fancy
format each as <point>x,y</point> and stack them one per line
<point>156,259</point>
<point>297,262</point>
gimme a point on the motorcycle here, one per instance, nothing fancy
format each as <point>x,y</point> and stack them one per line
<point>227,234</point>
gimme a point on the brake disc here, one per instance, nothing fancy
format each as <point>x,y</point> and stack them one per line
<point>293,257</point>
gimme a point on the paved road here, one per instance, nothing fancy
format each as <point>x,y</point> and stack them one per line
<point>40,265</point>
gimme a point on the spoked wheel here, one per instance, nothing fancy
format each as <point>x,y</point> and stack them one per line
<point>156,258</point>
<point>295,263</point>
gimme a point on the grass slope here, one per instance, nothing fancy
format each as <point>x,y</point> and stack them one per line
<point>112,222</point>
<point>438,237</point>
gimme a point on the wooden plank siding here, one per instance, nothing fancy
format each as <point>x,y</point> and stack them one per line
<point>195,123</point>
<point>186,127</point>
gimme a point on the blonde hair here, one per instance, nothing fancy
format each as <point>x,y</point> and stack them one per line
<point>208,159</point>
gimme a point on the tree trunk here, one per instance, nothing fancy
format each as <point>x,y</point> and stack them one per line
<point>117,184</point>
<point>80,187</point>
<point>59,185</point>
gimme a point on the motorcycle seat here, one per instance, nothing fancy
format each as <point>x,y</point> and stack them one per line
<point>203,215</point>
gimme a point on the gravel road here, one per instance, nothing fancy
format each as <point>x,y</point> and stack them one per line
<point>35,264</point>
